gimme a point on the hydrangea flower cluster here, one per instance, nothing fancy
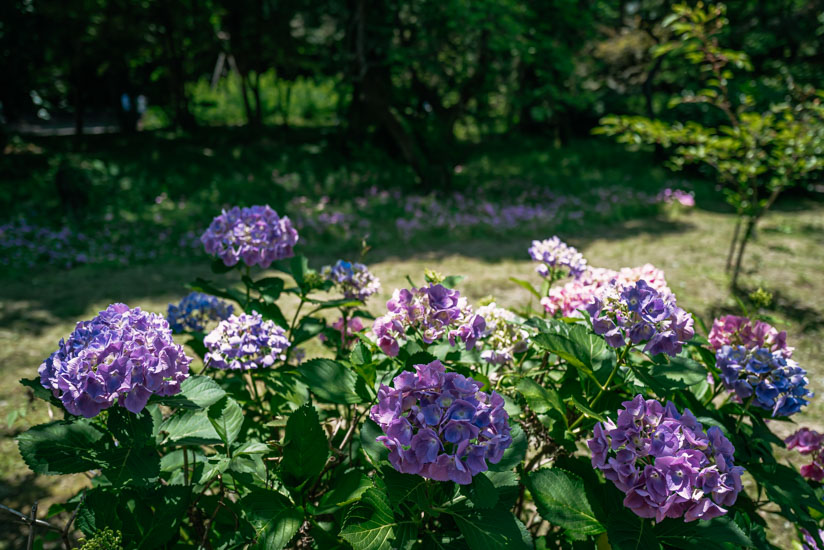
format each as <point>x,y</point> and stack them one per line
<point>639,313</point>
<point>254,235</point>
<point>676,196</point>
<point>440,425</point>
<point>665,462</point>
<point>434,311</point>
<point>503,337</point>
<point>245,341</point>
<point>771,379</point>
<point>554,254</point>
<point>121,356</point>
<point>808,542</point>
<point>354,279</point>
<point>195,311</point>
<point>578,293</point>
<point>732,330</point>
<point>809,442</point>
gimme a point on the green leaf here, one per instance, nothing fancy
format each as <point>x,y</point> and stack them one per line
<point>63,447</point>
<point>188,427</point>
<point>679,373</point>
<point>626,531</point>
<point>251,447</point>
<point>40,392</point>
<point>360,354</point>
<point>201,390</point>
<point>491,529</point>
<point>451,281</point>
<point>345,489</point>
<point>585,409</point>
<point>299,266</point>
<point>330,381</point>
<point>305,446</point>
<point>227,418</point>
<point>539,398</point>
<point>369,432</point>
<point>562,500</point>
<point>370,524</point>
<point>711,535</point>
<point>98,511</point>
<point>337,303</point>
<point>271,312</point>
<point>152,517</point>
<point>128,465</point>
<point>275,519</point>
<point>576,345</point>
<point>129,428</point>
<point>526,285</point>
<point>481,492</point>
<point>219,267</point>
<point>270,288</point>
<point>308,328</point>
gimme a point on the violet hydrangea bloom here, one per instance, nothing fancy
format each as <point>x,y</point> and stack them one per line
<point>434,311</point>
<point>439,425</point>
<point>771,379</point>
<point>809,442</point>
<point>554,254</point>
<point>122,356</point>
<point>665,462</point>
<point>503,337</point>
<point>354,279</point>
<point>195,311</point>
<point>255,235</point>
<point>733,330</point>
<point>808,542</point>
<point>641,314</point>
<point>245,341</point>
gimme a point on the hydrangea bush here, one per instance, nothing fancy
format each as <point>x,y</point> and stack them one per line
<point>604,420</point>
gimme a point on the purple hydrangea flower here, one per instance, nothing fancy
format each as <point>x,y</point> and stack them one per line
<point>195,311</point>
<point>434,312</point>
<point>641,314</point>
<point>809,442</point>
<point>665,462</point>
<point>555,254</point>
<point>354,279</point>
<point>773,380</point>
<point>439,425</point>
<point>255,235</point>
<point>245,341</point>
<point>121,356</point>
<point>808,542</point>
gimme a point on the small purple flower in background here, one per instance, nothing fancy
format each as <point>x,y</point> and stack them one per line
<point>195,311</point>
<point>121,356</point>
<point>641,314</point>
<point>808,542</point>
<point>354,280</point>
<point>770,379</point>
<point>433,312</point>
<point>676,196</point>
<point>503,336</point>
<point>809,442</point>
<point>254,235</point>
<point>741,331</point>
<point>440,425</point>
<point>554,255</point>
<point>665,462</point>
<point>245,341</point>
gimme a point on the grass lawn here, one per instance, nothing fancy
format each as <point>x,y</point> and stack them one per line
<point>786,259</point>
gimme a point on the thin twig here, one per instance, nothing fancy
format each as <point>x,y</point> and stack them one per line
<point>32,525</point>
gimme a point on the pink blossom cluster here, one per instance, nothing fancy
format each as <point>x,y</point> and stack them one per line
<point>809,442</point>
<point>733,330</point>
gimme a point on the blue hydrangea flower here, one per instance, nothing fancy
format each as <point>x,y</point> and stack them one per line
<point>354,279</point>
<point>245,341</point>
<point>554,254</point>
<point>773,380</point>
<point>439,425</point>
<point>122,356</point>
<point>195,311</point>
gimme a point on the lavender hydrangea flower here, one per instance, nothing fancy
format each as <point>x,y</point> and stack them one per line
<point>354,279</point>
<point>254,235</point>
<point>555,254</point>
<point>808,542</point>
<point>121,356</point>
<point>503,337</point>
<point>665,462</point>
<point>770,378</point>
<point>440,426</point>
<point>641,314</point>
<point>245,341</point>
<point>195,311</point>
<point>434,311</point>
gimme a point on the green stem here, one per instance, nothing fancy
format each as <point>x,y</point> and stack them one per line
<point>295,318</point>
<point>248,288</point>
<point>621,360</point>
<point>743,413</point>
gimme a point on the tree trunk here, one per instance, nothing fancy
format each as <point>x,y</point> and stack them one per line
<point>733,242</point>
<point>744,240</point>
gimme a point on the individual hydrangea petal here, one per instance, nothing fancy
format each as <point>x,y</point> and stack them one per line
<point>122,356</point>
<point>255,235</point>
<point>353,279</point>
<point>245,341</point>
<point>430,422</point>
<point>195,311</point>
<point>665,463</point>
<point>434,311</point>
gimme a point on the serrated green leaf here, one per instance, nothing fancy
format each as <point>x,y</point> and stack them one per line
<point>128,465</point>
<point>305,446</point>
<point>539,398</point>
<point>481,492</point>
<point>491,529</point>
<point>330,381</point>
<point>714,534</point>
<point>371,525</point>
<point>63,447</point>
<point>576,345</point>
<point>360,354</point>
<point>562,500</point>
<point>275,519</point>
<point>227,418</point>
<point>130,428</point>
<point>345,489</point>
<point>203,391</point>
<point>375,450</point>
<point>190,427</point>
